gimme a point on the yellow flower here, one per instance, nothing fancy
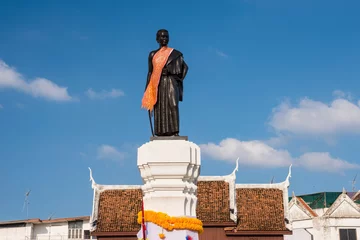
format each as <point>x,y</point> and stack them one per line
<point>170,223</point>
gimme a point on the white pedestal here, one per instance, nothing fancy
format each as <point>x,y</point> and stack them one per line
<point>169,169</point>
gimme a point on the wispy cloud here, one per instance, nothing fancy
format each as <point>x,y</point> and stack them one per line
<point>221,53</point>
<point>108,152</point>
<point>317,118</point>
<point>82,154</point>
<point>1,106</point>
<point>39,87</point>
<point>103,94</point>
<point>342,94</point>
<point>259,154</point>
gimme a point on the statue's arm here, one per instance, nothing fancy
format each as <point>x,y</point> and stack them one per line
<point>151,55</point>
<point>185,69</point>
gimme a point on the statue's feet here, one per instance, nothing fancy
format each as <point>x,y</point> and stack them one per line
<point>168,135</point>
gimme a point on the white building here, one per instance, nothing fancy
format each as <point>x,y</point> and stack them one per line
<point>54,229</point>
<point>324,216</point>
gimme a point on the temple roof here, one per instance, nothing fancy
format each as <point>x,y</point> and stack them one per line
<point>260,209</point>
<point>117,210</point>
<point>213,201</point>
<point>242,207</point>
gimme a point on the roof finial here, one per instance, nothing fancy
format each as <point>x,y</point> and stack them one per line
<point>289,174</point>
<point>293,195</point>
<point>237,167</point>
<point>344,191</point>
<point>92,179</point>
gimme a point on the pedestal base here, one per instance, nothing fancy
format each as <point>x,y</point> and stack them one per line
<point>153,231</point>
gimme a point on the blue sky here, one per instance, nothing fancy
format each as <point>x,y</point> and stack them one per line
<point>271,82</point>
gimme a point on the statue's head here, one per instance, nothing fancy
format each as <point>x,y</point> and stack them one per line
<point>162,37</point>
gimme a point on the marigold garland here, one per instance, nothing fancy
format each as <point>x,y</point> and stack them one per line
<point>171,223</point>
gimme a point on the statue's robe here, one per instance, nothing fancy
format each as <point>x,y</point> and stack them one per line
<point>170,92</point>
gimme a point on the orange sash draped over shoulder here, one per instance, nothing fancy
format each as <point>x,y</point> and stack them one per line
<point>159,60</point>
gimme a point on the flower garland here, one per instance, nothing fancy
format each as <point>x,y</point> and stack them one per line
<point>171,223</point>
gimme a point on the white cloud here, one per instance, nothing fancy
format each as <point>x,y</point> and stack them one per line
<point>277,141</point>
<point>317,118</point>
<point>259,154</point>
<point>114,93</point>
<point>40,87</point>
<point>110,153</point>
<point>256,153</point>
<point>323,161</point>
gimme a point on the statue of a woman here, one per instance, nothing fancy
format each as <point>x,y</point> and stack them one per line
<point>164,86</point>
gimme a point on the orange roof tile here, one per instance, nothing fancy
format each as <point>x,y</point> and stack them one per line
<point>118,209</point>
<point>213,201</point>
<point>260,209</point>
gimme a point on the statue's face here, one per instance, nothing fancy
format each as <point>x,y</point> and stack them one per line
<point>163,38</point>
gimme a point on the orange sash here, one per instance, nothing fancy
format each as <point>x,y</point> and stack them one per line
<point>159,60</point>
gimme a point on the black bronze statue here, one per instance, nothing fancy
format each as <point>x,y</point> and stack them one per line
<point>164,86</point>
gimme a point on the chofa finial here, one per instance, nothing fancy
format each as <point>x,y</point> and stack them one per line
<point>289,174</point>
<point>92,179</point>
<point>237,167</point>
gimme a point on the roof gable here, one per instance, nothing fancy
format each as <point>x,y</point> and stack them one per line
<point>300,210</point>
<point>298,213</point>
<point>344,206</point>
